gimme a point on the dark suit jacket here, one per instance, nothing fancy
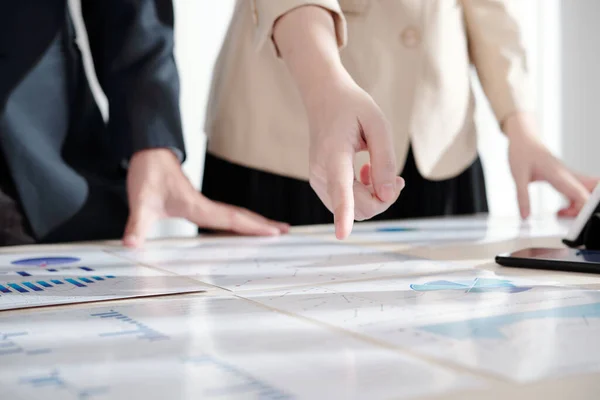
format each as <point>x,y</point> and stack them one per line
<point>67,164</point>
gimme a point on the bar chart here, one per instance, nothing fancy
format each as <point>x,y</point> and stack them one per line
<point>53,381</point>
<point>10,345</point>
<point>142,331</point>
<point>82,277</point>
<point>39,286</point>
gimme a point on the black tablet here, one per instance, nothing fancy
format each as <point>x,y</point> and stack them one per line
<point>565,259</point>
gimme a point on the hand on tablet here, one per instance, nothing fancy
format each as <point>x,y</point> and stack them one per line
<point>531,161</point>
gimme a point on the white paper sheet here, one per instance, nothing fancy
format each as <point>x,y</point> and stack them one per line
<point>240,264</point>
<point>52,278</point>
<point>519,329</point>
<point>446,231</point>
<point>201,348</point>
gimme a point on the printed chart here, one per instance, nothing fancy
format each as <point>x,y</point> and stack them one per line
<point>436,232</point>
<point>517,329</point>
<point>194,349</point>
<point>51,279</point>
<point>243,264</point>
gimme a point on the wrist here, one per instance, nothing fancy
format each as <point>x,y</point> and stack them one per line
<point>518,125</point>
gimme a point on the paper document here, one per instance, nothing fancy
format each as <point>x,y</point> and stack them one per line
<point>52,278</point>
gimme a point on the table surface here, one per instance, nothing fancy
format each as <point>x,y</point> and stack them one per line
<point>366,318</point>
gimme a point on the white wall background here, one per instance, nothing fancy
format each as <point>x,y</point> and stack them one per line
<point>201,26</point>
<point>581,84</point>
<point>541,23</point>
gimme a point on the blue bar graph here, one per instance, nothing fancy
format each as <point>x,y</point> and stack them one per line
<point>23,273</point>
<point>38,286</point>
<point>86,268</point>
<point>18,288</point>
<point>106,314</point>
<point>74,282</point>
<point>32,286</point>
<point>142,331</point>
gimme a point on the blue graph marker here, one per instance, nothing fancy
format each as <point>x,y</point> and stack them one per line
<point>15,334</point>
<point>490,327</point>
<point>4,289</point>
<point>395,229</point>
<point>86,280</point>
<point>32,286</point>
<point>110,314</point>
<point>18,288</point>
<point>57,282</point>
<point>44,284</point>
<point>55,381</point>
<point>23,273</point>
<point>9,352</point>
<point>86,268</point>
<point>110,276</point>
<point>74,282</point>
<point>52,270</point>
<point>98,278</point>
<point>478,285</point>
<point>142,331</point>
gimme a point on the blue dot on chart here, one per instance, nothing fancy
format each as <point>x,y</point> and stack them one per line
<point>395,229</point>
<point>44,261</point>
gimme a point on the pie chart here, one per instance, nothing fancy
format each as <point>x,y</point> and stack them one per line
<point>45,261</point>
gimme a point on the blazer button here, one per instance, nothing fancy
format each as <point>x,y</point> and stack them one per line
<point>411,37</point>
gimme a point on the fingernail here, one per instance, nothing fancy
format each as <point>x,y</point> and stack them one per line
<point>400,183</point>
<point>272,231</point>
<point>387,192</point>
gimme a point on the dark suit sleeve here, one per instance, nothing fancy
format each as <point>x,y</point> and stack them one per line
<point>132,44</point>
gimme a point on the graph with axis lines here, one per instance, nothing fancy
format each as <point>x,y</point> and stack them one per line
<point>513,327</point>
<point>192,348</point>
<point>36,280</point>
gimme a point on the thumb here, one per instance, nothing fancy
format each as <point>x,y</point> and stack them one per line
<point>138,225</point>
<point>381,150</point>
<point>522,186</point>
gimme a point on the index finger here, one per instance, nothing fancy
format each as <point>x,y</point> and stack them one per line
<point>340,181</point>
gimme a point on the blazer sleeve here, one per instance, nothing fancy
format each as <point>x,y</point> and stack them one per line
<point>498,54</point>
<point>132,43</point>
<point>266,13</point>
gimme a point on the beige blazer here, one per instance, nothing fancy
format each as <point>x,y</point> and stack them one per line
<point>413,57</point>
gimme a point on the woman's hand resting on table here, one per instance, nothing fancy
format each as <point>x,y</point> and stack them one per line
<point>530,161</point>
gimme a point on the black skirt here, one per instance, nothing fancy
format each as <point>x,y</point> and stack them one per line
<point>293,201</point>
